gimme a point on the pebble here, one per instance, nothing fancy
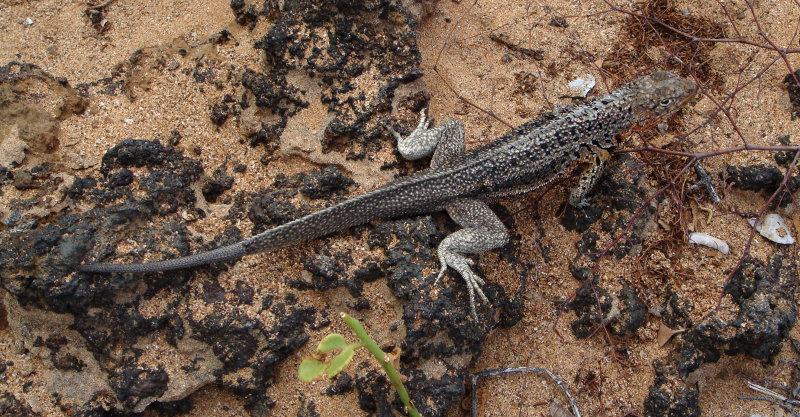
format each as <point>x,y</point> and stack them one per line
<point>582,86</point>
<point>773,228</point>
<point>709,241</point>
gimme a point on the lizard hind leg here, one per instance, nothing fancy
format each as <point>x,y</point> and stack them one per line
<point>482,231</point>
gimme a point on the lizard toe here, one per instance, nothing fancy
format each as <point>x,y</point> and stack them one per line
<point>442,270</point>
<point>423,120</point>
<point>473,282</point>
<point>391,130</point>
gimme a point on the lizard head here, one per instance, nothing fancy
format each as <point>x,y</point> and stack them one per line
<point>658,95</point>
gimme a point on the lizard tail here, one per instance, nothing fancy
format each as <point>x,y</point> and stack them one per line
<point>397,199</point>
<point>225,253</point>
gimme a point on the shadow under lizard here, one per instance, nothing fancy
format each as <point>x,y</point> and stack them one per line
<point>523,160</point>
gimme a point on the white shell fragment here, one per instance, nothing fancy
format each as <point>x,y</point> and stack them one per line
<point>582,85</point>
<point>773,228</point>
<point>710,241</point>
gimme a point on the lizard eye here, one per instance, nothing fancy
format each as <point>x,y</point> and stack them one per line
<point>666,101</point>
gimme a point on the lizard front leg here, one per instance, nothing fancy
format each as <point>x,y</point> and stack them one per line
<point>445,141</point>
<point>596,157</point>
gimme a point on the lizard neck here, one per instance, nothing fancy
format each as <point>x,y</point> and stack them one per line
<point>598,121</point>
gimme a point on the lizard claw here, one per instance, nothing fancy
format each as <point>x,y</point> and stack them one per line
<point>391,130</point>
<point>581,204</point>
<point>462,265</point>
<point>441,272</point>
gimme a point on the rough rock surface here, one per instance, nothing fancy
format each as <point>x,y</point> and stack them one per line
<point>755,318</point>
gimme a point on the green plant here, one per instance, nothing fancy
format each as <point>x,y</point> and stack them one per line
<point>313,367</point>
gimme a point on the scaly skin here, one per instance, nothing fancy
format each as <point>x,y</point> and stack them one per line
<point>520,161</point>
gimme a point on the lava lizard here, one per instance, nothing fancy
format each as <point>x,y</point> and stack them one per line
<point>458,181</point>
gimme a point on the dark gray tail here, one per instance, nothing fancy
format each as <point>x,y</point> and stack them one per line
<point>415,194</point>
<point>225,253</point>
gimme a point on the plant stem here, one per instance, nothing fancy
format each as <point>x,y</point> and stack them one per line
<point>379,354</point>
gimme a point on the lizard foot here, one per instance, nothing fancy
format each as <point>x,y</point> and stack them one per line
<point>420,143</point>
<point>462,265</point>
<point>421,127</point>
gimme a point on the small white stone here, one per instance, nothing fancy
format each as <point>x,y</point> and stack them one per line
<point>128,121</point>
<point>582,85</point>
<point>709,241</point>
<point>28,21</point>
<point>773,228</point>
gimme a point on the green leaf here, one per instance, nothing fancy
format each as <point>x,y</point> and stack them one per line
<point>310,369</point>
<point>342,359</point>
<point>331,342</point>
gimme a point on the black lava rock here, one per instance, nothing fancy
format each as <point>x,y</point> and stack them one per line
<point>120,178</point>
<point>342,384</point>
<point>272,209</point>
<point>580,220</point>
<point>216,185</point>
<point>325,183</point>
<point>764,179</point>
<point>755,177</point>
<point>755,322</point>
<point>134,384</point>
<point>670,396</point>
<point>622,314</point>
<point>794,92</point>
